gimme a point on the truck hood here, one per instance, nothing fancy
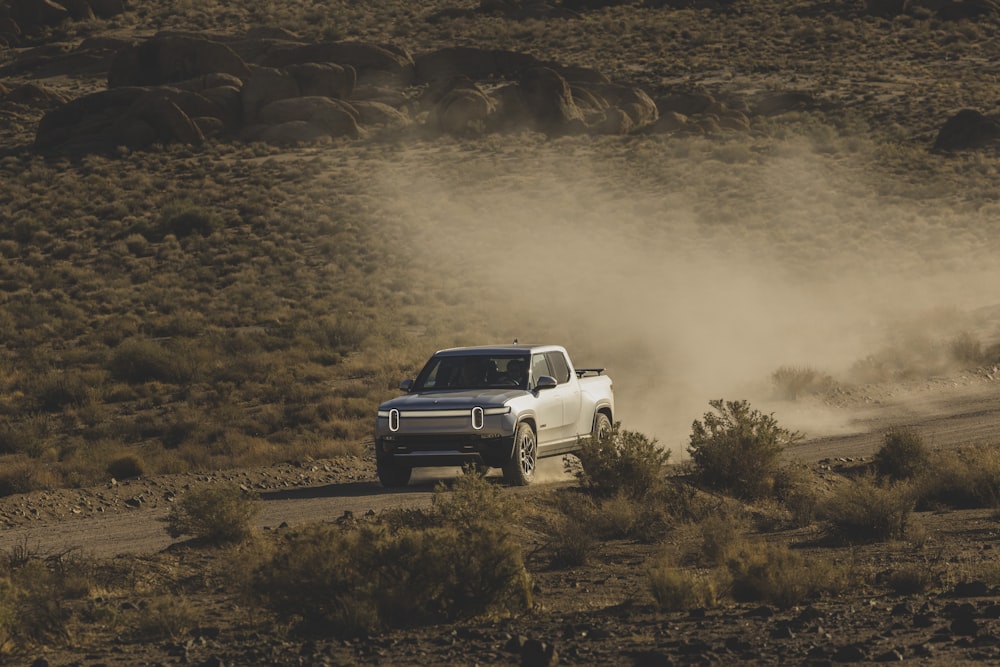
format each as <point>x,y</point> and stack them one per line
<point>453,400</point>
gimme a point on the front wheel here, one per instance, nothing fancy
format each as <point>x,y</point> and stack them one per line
<point>520,469</point>
<point>391,474</point>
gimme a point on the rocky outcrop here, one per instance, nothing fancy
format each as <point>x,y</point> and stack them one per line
<point>968,129</point>
<point>168,58</point>
<point>371,62</point>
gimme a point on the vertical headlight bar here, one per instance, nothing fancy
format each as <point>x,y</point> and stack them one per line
<point>394,420</point>
<point>477,418</point>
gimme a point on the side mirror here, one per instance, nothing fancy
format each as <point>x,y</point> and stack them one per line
<point>405,385</point>
<point>546,382</point>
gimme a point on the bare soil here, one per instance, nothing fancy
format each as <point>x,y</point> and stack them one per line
<point>600,613</point>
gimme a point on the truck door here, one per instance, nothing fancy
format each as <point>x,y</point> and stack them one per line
<point>548,405</point>
<point>569,392</point>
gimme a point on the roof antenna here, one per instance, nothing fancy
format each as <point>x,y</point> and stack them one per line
<point>515,341</point>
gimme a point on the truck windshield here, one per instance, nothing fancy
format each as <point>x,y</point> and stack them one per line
<point>477,371</point>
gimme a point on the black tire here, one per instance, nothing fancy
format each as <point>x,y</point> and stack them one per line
<point>602,428</point>
<point>391,474</point>
<point>520,469</point>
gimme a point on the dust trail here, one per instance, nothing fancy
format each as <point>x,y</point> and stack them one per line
<point>690,271</point>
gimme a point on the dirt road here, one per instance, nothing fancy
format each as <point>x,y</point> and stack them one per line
<point>947,413</point>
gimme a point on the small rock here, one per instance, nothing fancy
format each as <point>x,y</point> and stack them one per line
<point>890,656</point>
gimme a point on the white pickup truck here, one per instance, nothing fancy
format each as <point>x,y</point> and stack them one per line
<point>503,406</point>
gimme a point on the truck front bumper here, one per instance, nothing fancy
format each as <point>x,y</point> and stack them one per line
<point>446,450</point>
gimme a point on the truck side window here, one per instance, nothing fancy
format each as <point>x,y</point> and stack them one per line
<point>539,367</point>
<point>560,369</point>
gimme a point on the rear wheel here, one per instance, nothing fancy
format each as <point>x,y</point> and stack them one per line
<point>520,469</point>
<point>391,474</point>
<point>602,428</point>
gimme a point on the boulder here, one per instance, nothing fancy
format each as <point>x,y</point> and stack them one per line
<point>156,110</point>
<point>471,62</point>
<point>371,112</point>
<point>772,104</point>
<point>338,118</point>
<point>548,100</point>
<point>263,86</point>
<point>464,109</point>
<point>957,10</point>
<point>490,64</point>
<point>968,129</point>
<point>10,32</point>
<point>34,96</point>
<point>670,121</point>
<point>79,10</point>
<point>372,62</point>
<point>615,121</point>
<point>209,81</point>
<point>32,15</point>
<point>87,115</point>
<point>229,102</point>
<point>639,107</point>
<point>131,116</point>
<point>886,8</point>
<point>688,103</point>
<point>169,58</point>
<point>106,9</point>
<point>324,79</point>
<point>292,133</point>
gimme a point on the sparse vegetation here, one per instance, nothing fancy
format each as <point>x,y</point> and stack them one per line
<point>903,455</point>
<point>627,463</point>
<point>865,510</point>
<point>216,513</point>
<point>736,449</point>
<point>374,576</point>
<point>794,382</point>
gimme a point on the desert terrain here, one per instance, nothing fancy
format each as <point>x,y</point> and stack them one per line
<point>771,201</point>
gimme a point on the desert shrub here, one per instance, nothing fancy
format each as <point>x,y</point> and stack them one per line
<point>165,617</point>
<point>55,390</point>
<point>737,449</point>
<point>571,541</point>
<point>352,582</point>
<point>966,350</point>
<point>216,513</point>
<point>414,567</point>
<point>184,218</point>
<point>962,479</point>
<point>793,382</point>
<point>795,488</point>
<point>720,536</point>
<point>137,360</point>
<point>863,510</point>
<point>472,500</point>
<point>126,467</point>
<point>628,462</point>
<point>910,579</point>
<point>675,589</point>
<point>775,574</point>
<point>902,455</point>
<point>40,590</point>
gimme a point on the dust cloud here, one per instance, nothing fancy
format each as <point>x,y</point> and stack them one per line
<point>693,270</point>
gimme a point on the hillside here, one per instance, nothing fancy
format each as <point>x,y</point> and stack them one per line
<point>227,231</point>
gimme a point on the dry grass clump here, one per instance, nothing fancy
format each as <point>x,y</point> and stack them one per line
<point>215,514</point>
<point>37,592</point>
<point>866,510</point>
<point>793,382</point>
<point>675,589</point>
<point>903,455</point>
<point>723,560</point>
<point>960,478</point>
<point>456,563</point>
